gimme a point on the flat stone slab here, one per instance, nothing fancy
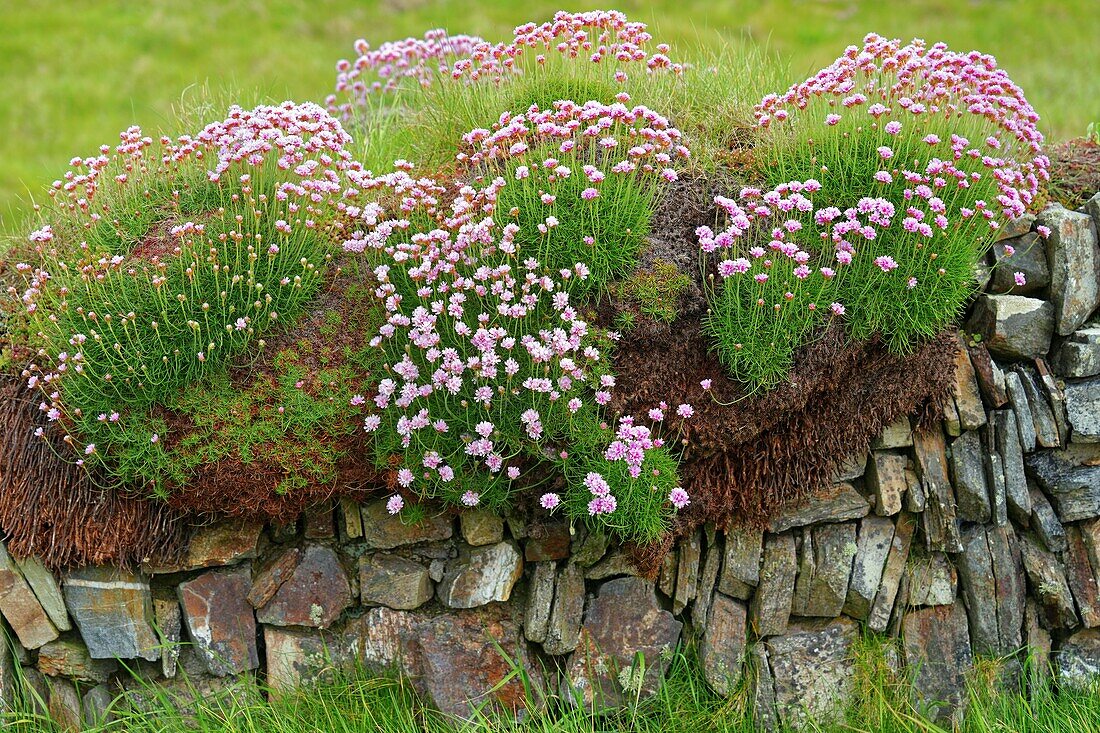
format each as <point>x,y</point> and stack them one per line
<point>1013,326</point>
<point>1074,259</point>
<point>813,669</point>
<point>314,595</point>
<point>1078,659</point>
<point>481,575</point>
<point>220,621</point>
<point>936,643</point>
<point>770,609</point>
<point>20,606</point>
<point>741,564</point>
<point>1083,410</point>
<point>68,657</point>
<point>384,531</point>
<point>113,610</point>
<point>838,503</point>
<point>722,649</point>
<point>297,657</point>
<point>396,582</point>
<point>1073,490</point>
<point>223,543</point>
<point>1079,355</point>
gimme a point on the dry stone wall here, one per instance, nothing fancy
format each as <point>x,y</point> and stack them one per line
<point>978,538</point>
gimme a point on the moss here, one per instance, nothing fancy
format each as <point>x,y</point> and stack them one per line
<point>656,290</point>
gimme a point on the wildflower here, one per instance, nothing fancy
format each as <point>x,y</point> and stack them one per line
<point>589,193</point>
<point>679,498</point>
<point>832,119</point>
<point>886,263</point>
<point>685,411</point>
<point>1019,278</point>
<point>405,477</point>
<point>705,384</point>
<point>155,438</point>
<point>549,501</point>
<point>885,152</point>
<point>357,400</point>
<point>1044,231</point>
<point>471,498</point>
<point>395,504</point>
<point>837,309</point>
<point>371,423</point>
<point>911,283</point>
<point>602,505</point>
<point>89,449</point>
<point>512,472</point>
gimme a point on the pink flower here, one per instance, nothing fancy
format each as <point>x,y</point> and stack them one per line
<point>705,384</point>
<point>911,283</point>
<point>405,477</point>
<point>1009,250</point>
<point>685,411</point>
<point>471,498</point>
<point>1044,231</point>
<point>893,128</point>
<point>89,449</point>
<point>1020,279</point>
<point>589,193</point>
<point>837,308</point>
<point>602,505</point>
<point>885,152</point>
<point>832,119</point>
<point>357,400</point>
<point>549,501</point>
<point>513,472</point>
<point>395,504</point>
<point>679,498</point>
<point>371,423</point>
<point>886,263</point>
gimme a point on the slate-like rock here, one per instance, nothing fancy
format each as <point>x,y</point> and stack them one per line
<point>741,564</point>
<point>1025,422</point>
<point>1083,410</point>
<point>302,657</point>
<point>936,643</point>
<point>1079,355</point>
<point>885,478</point>
<point>1073,490</point>
<point>941,531</point>
<point>1016,227</point>
<point>827,554</point>
<point>64,706</point>
<point>547,542</point>
<point>1007,438</point>
<point>384,531</point>
<point>1039,646</point>
<point>687,571</point>
<point>968,474</point>
<point>622,621</point>
<point>223,543</point>
<point>220,620</point>
<point>872,548</point>
<point>898,434</point>
<point>1083,577</point>
<point>708,578</point>
<point>1045,522</point>
<point>932,581</point>
<point>21,608</point>
<point>968,398</point>
<point>1048,582</point>
<point>1048,432</point>
<point>892,573</point>
<point>992,584</point>
<point>396,582</point>
<point>1074,266</point>
<point>761,688</point>
<point>771,603</point>
<point>722,648</point>
<point>1029,258</point>
<point>113,610</point>
<point>813,670</point>
<point>380,639</point>
<point>540,600</point>
<point>564,628</point>
<point>46,589</point>
<point>481,575</point>
<point>169,627</point>
<point>838,503</point>
<point>1078,660</point>
<point>481,527</point>
<point>1013,326</point>
<point>68,656</point>
<point>315,594</point>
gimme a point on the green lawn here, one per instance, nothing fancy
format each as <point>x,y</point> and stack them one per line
<point>75,72</point>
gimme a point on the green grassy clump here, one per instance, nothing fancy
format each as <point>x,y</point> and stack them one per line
<point>656,290</point>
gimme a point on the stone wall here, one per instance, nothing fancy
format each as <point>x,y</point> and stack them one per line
<point>979,538</point>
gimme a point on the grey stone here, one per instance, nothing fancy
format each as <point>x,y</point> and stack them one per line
<point>1045,522</point>
<point>9,681</point>
<point>915,500</point>
<point>771,604</point>
<point>97,705</point>
<point>741,565</point>
<point>838,503</point>
<point>540,599</point>
<point>851,468</point>
<point>666,576</point>
<point>1025,422</point>
<point>898,434</point>
<point>885,478</point>
<point>876,535</point>
<point>384,531</point>
<point>936,643</point>
<point>388,580</point>
<point>1029,258</point>
<point>762,688</point>
<point>1083,577</point>
<point>1074,266</point>
<point>380,638</point>
<point>168,624</point>
<point>687,572</point>
<point>1052,387</point>
<point>1083,410</point>
<point>481,575</point>
<point>1039,650</point>
<point>708,579</point>
<point>1079,355</point>
<point>1013,326</point>
<point>1090,536</point>
<point>19,605</point>
<point>564,629</point>
<point>302,657</point>
<point>622,622</point>
<point>314,595</point>
<point>220,620</point>
<point>941,531</point>
<point>968,398</point>
<point>589,547</point>
<point>1078,660</point>
<point>830,553</point>
<point>1048,582</point>
<point>892,573</point>
<point>1073,490</point>
<point>223,543</point>
<point>481,527</point>
<point>722,647</point>
<point>67,656</point>
<point>1047,433</point>
<point>991,380</point>
<point>113,610</point>
<point>968,472</point>
<point>1012,460</point>
<point>1017,227</point>
<point>994,471</point>
<point>950,422</point>
<point>932,581</point>
<point>615,563</point>
<point>813,669</point>
<point>46,589</point>
<point>991,582</point>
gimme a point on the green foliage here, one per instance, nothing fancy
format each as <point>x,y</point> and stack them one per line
<point>656,290</point>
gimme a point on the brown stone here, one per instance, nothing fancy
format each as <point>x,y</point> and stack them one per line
<point>271,576</point>
<point>224,543</point>
<point>886,480</point>
<point>21,608</point>
<point>384,531</point>
<point>549,542</point>
<point>481,527</point>
<point>169,624</point>
<point>932,581</point>
<point>1082,578</point>
<point>318,523</point>
<point>302,657</point>
<point>315,595</point>
<point>392,581</point>
<point>941,530</point>
<point>352,520</point>
<point>220,620</point>
<point>968,399</point>
<point>68,656</point>
<point>936,642</point>
<point>892,573</point>
<point>380,638</point>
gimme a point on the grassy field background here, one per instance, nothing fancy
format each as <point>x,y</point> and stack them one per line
<point>76,72</point>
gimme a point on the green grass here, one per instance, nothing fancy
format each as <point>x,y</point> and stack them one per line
<point>363,702</point>
<point>75,73</point>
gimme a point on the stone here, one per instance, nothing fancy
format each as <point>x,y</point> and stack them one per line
<point>851,468</point>
<point>113,610</point>
<point>352,519</point>
<point>20,606</point>
<point>885,478</point>
<point>898,434</point>
<point>883,605</point>
<point>315,594</point>
<point>832,549</point>
<point>10,680</point>
<point>991,380</point>
<point>1025,422</point>
<point>1074,266</point>
<point>994,469</point>
<point>220,620</point>
<point>1045,522</point>
<point>589,547</point>
<point>1079,354</point>
<point>1048,582</point>
<point>708,578</point>
<point>968,398</point>
<point>838,503</point>
<point>1052,388</point>
<point>666,576</point>
<point>936,647</point>
<point>168,622</point>
<point>991,583</point>
<point>46,589</point>
<point>722,647</point>
<point>223,543</point>
<point>762,689</point>
<point>968,478</point>
<point>540,600</point>
<point>623,622</point>
<point>388,580</point>
<point>1007,439</point>
<point>1078,660</point>
<point>384,531</point>
<point>548,542</point>
<point>1029,258</point>
<point>319,523</point>
<point>813,670</point>
<point>470,658</point>
<point>1090,536</point>
<point>380,638</point>
<point>1083,410</point>
<point>481,575</point>
<point>481,527</point>
<point>1083,578</point>
<point>615,563</point>
<point>932,581</point>
<point>876,534</point>
<point>97,705</point>
<point>271,576</point>
<point>687,572</point>
<point>1073,490</point>
<point>770,609</point>
<point>1039,650</point>
<point>302,657</point>
<point>1013,327</point>
<point>1047,431</point>
<point>915,499</point>
<point>1017,227</point>
<point>64,706</point>
<point>67,656</point>
<point>564,629</point>
<point>741,562</point>
<point>950,422</point>
<point>941,531</point>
